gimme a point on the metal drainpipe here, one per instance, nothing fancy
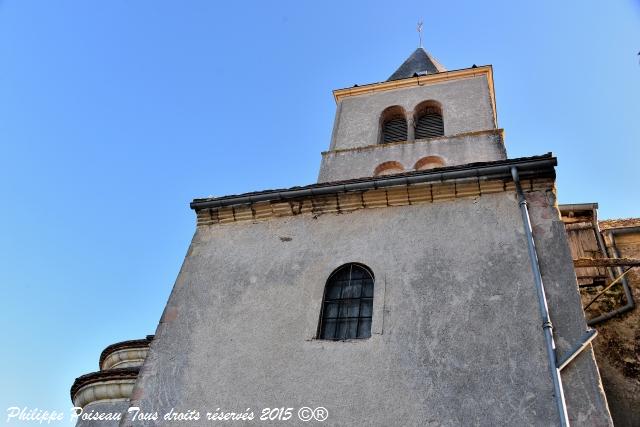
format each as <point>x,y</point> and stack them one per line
<point>547,326</point>
<point>625,284</point>
<point>600,241</point>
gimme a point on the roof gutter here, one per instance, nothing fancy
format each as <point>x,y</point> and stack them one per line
<point>577,207</point>
<point>526,168</point>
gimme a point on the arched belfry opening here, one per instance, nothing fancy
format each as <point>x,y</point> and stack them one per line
<point>421,110</point>
<point>393,123</point>
<point>428,120</point>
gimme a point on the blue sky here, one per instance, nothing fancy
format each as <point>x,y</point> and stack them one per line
<point>115,114</point>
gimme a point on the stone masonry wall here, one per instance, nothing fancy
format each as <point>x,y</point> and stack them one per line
<point>457,336</point>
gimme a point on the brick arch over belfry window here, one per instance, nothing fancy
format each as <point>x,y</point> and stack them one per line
<point>388,168</point>
<point>347,306</point>
<point>429,162</point>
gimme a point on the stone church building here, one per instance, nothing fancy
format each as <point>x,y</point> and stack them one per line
<point>426,279</point>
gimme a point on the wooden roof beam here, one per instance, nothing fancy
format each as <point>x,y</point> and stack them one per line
<point>606,262</point>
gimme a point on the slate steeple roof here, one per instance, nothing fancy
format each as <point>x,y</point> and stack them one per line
<point>420,62</point>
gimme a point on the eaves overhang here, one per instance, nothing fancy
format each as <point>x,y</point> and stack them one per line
<point>102,377</point>
<point>567,207</point>
<point>122,345</point>
<point>528,167</point>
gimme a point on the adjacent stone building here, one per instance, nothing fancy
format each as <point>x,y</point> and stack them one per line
<point>406,287</point>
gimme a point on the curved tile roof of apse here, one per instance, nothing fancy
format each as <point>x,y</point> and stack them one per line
<point>619,223</point>
<point>419,63</point>
<point>145,342</point>
<point>111,374</point>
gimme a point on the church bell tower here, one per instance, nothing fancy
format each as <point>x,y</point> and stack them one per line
<point>407,300</point>
<point>423,116</point>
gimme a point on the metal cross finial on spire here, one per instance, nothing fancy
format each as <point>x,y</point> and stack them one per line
<point>419,28</point>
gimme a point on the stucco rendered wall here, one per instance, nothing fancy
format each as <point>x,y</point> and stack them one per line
<point>466,107</point>
<point>469,129</point>
<point>457,150</point>
<point>457,336</point>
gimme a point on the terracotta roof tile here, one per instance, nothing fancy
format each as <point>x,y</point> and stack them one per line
<point>619,223</point>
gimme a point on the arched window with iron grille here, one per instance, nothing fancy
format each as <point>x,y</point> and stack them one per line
<point>428,120</point>
<point>347,307</point>
<point>394,125</point>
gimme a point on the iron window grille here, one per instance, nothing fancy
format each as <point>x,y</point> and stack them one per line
<point>347,306</point>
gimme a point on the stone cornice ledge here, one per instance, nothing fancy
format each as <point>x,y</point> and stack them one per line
<point>528,165</point>
<point>123,345</point>
<point>435,185</point>
<point>125,358</point>
<point>427,79</point>
<point>497,132</point>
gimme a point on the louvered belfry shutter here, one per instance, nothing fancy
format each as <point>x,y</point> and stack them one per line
<point>429,125</point>
<point>394,130</point>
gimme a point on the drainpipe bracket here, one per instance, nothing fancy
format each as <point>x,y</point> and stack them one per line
<point>586,338</point>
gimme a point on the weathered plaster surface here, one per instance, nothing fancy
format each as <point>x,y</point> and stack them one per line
<point>466,107</point>
<point>457,336</point>
<point>556,266</point>
<point>456,150</point>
